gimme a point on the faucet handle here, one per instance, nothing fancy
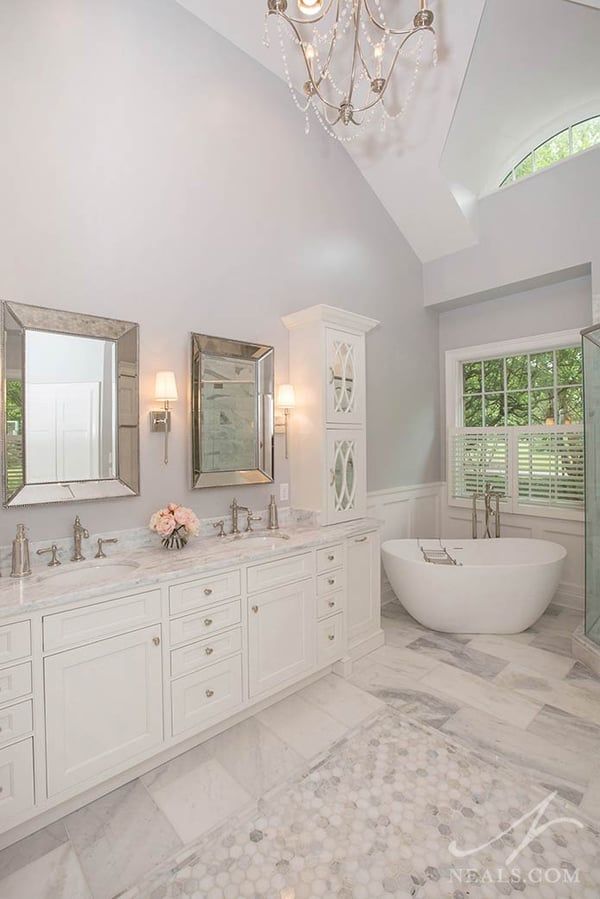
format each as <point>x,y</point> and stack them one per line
<point>101,542</point>
<point>251,518</point>
<point>221,525</point>
<point>54,561</point>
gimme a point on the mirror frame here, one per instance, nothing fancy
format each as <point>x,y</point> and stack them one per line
<point>249,352</point>
<point>55,321</point>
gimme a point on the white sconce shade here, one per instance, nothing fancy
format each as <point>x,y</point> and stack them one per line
<point>286,396</point>
<point>165,387</point>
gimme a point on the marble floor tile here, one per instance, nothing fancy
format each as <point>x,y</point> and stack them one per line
<point>119,838</point>
<point>199,799</point>
<point>570,731</point>
<point>399,633</point>
<point>445,649</point>
<point>550,691</point>
<point>468,689</point>
<point>558,643</point>
<point>590,804</point>
<point>406,661</point>
<point>55,875</point>
<point>31,848</point>
<point>579,671</point>
<point>404,693</point>
<point>522,654</point>
<point>176,768</point>
<point>541,758</point>
<point>300,724</point>
<point>342,700</point>
<point>254,756</point>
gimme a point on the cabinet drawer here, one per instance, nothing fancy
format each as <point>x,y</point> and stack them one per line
<point>16,779</point>
<point>283,571</point>
<point>330,639</point>
<point>15,682</point>
<point>327,583</point>
<point>101,620</point>
<point>15,641</point>
<point>332,602</point>
<point>16,721</point>
<point>217,618</point>
<point>330,558</point>
<point>205,652</point>
<point>199,698</point>
<point>204,591</point>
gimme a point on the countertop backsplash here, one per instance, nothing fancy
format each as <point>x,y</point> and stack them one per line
<point>141,538</point>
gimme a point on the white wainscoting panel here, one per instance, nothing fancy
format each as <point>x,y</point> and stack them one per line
<point>570,534</point>
<point>405,513</point>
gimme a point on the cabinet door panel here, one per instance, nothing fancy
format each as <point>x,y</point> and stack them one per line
<point>103,707</point>
<point>346,475</point>
<point>363,609</point>
<point>281,628</point>
<point>16,781</point>
<point>345,378</point>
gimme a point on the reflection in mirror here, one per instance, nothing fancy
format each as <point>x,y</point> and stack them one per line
<point>232,412</point>
<point>70,408</point>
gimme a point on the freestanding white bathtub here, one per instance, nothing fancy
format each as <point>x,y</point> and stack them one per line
<point>501,587</point>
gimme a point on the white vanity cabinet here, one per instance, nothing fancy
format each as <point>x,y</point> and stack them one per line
<point>103,706</point>
<point>328,425</point>
<point>93,690</point>
<point>363,593</point>
<point>281,635</point>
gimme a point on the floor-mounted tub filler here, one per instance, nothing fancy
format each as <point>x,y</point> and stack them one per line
<point>496,586</point>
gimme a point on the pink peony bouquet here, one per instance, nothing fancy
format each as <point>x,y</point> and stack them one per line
<point>175,525</point>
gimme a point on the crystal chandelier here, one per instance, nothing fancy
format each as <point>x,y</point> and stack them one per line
<point>350,52</point>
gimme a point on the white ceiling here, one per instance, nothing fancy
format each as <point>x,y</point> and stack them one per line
<point>417,166</point>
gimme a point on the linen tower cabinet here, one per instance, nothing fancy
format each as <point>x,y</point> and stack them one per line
<point>328,440</point>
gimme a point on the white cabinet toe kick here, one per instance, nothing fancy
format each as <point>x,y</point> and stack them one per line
<point>96,690</point>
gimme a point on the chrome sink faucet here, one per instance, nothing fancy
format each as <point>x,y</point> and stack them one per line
<point>235,510</point>
<point>78,532</point>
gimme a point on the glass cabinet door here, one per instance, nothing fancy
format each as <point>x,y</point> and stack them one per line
<point>346,492</point>
<point>345,377</point>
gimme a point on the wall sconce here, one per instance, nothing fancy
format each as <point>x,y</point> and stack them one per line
<point>165,391</point>
<point>286,400</point>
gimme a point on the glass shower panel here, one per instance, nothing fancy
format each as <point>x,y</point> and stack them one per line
<point>591,364</point>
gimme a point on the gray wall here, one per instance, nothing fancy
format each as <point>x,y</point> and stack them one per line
<point>546,223</point>
<point>152,172</point>
<point>557,307</point>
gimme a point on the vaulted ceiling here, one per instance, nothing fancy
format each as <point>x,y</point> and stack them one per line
<point>505,73</point>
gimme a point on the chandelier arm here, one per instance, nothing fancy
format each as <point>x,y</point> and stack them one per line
<point>381,27</point>
<point>324,71</point>
<point>355,51</point>
<point>315,21</point>
<point>323,99</point>
<point>379,97</point>
<point>364,63</point>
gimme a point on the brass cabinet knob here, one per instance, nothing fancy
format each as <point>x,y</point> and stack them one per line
<point>208,622</point>
<point>331,603</point>
<point>156,641</point>
<point>330,557</point>
<point>209,650</point>
<point>210,693</point>
<point>331,581</point>
<point>207,591</point>
<point>255,609</point>
<point>331,636</point>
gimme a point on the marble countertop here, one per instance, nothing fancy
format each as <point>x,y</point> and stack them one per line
<point>155,565</point>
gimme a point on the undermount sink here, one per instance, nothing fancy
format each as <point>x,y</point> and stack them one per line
<point>263,539</point>
<point>89,575</point>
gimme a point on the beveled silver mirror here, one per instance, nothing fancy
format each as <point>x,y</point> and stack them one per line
<point>69,406</point>
<point>232,412</point>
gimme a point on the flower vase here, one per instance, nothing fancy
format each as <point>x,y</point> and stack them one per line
<point>176,540</point>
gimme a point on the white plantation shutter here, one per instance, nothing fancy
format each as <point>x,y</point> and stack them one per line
<point>479,456</point>
<point>550,466</point>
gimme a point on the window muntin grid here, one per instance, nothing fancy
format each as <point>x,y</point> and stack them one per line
<point>562,145</point>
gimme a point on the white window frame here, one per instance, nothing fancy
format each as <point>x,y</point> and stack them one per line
<point>453,368</point>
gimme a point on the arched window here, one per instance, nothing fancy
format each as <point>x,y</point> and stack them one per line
<point>569,142</point>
